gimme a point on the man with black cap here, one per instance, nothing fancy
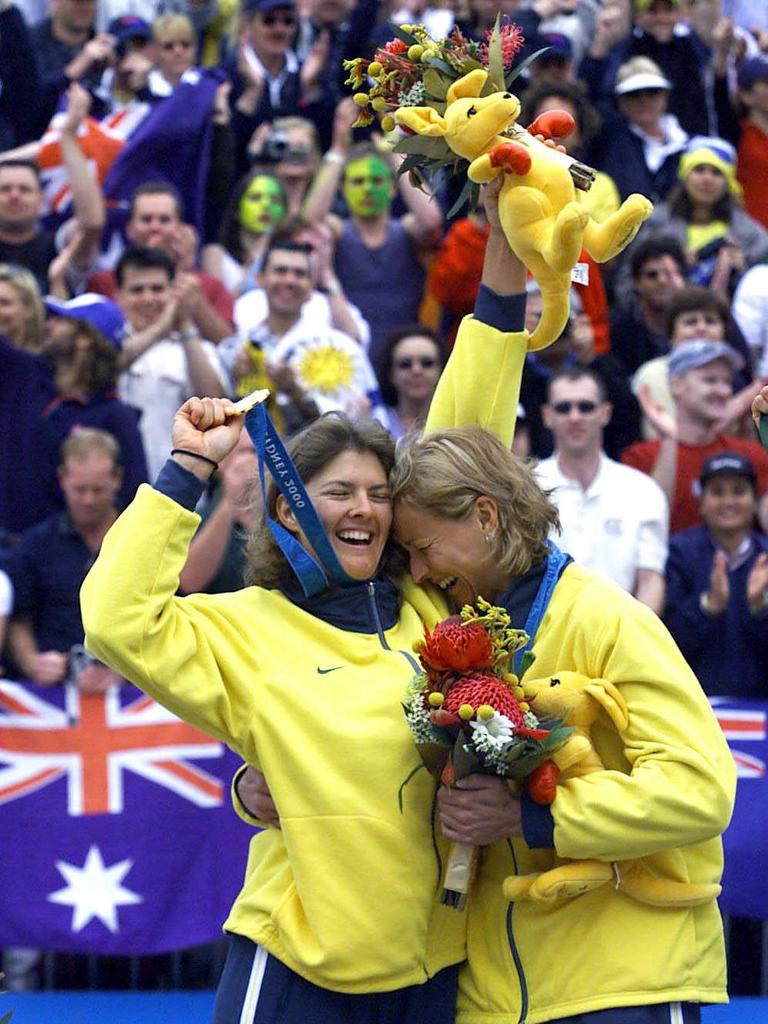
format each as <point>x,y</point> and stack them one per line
<point>717,583</point>
<point>701,383</point>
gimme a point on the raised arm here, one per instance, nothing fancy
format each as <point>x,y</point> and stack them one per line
<point>87,198</point>
<point>480,385</point>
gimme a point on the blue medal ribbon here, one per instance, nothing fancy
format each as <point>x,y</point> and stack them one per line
<point>313,575</point>
<point>557,560</point>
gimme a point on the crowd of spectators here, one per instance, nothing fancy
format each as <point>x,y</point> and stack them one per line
<point>185,208</point>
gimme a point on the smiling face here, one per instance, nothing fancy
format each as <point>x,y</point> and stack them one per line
<point>453,554</point>
<point>287,280</point>
<point>702,394</point>
<point>262,205</point>
<point>728,505</point>
<point>351,497</point>
<point>155,221</point>
<point>143,295</point>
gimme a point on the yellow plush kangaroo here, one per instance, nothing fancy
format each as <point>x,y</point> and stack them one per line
<point>579,701</point>
<point>545,225</point>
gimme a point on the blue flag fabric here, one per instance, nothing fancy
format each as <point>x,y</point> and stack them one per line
<point>744,724</point>
<point>118,836</point>
<point>171,144</point>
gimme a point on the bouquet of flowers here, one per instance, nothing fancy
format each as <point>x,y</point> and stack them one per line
<point>414,70</point>
<point>467,712</point>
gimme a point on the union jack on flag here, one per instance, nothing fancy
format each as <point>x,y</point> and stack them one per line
<point>128,806</point>
<point>92,741</point>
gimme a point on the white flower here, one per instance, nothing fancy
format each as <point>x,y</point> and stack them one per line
<point>492,733</point>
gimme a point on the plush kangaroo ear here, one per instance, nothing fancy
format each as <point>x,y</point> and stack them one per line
<point>470,85</point>
<point>422,120</point>
<point>613,703</point>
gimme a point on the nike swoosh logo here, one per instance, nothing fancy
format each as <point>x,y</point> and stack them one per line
<point>325,671</point>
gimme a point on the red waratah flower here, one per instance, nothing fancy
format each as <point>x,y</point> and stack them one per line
<point>512,41</point>
<point>395,46</point>
<point>477,689</point>
<point>456,647</point>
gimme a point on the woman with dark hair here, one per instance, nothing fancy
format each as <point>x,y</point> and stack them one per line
<point>257,206</point>
<point>412,362</point>
<point>703,212</point>
<point>339,917</point>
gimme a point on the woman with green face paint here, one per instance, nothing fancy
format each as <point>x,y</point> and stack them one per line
<point>368,186</point>
<point>257,207</point>
<point>378,258</point>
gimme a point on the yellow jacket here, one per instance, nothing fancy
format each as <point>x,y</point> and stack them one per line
<point>345,893</point>
<point>666,795</point>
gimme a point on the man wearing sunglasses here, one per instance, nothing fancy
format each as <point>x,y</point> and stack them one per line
<point>614,519</point>
<point>265,74</point>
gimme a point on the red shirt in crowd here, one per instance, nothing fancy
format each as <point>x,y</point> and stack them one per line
<point>690,458</point>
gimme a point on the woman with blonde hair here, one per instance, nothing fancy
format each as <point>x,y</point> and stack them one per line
<point>475,523</point>
<point>175,44</point>
<point>22,316</point>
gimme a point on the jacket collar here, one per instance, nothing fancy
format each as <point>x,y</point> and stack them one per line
<point>358,608</point>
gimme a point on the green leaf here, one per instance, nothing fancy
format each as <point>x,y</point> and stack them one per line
<point>435,83</point>
<point>405,37</point>
<point>408,164</point>
<point>465,196</point>
<point>423,145</point>
<point>441,65</point>
<point>6,1017</point>
<point>518,69</point>
<point>527,660</point>
<point>496,58</point>
<point>470,64</point>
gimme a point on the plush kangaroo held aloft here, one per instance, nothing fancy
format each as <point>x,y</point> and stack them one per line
<point>545,224</point>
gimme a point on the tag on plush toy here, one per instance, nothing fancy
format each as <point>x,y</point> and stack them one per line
<point>580,273</point>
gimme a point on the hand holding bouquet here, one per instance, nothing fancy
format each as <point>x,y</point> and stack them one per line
<point>467,713</point>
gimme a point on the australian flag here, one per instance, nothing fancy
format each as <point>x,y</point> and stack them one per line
<point>171,144</point>
<point>118,833</point>
<point>744,725</point>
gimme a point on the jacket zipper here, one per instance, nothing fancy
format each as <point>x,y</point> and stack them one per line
<point>518,966</point>
<point>371,588</point>
<point>412,661</point>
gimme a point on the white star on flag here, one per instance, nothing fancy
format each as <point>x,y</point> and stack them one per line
<point>94,890</point>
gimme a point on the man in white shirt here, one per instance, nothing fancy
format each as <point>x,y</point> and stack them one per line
<point>309,362</point>
<point>615,519</point>
<point>165,359</point>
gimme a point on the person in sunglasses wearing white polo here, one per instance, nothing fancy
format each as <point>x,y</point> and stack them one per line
<point>614,519</point>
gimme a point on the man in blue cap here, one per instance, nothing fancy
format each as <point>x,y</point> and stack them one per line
<point>701,383</point>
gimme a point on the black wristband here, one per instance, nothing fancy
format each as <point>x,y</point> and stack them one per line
<point>195,455</point>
